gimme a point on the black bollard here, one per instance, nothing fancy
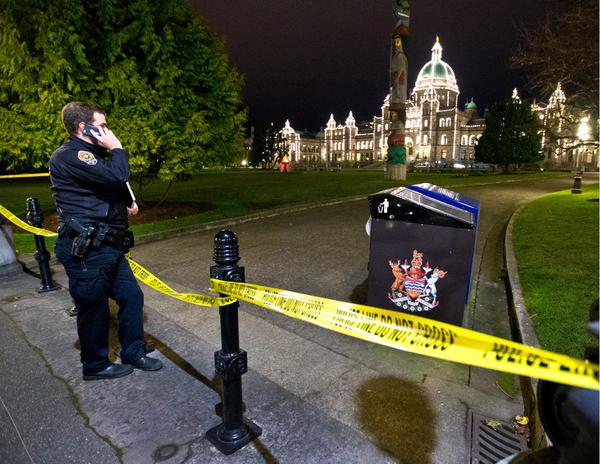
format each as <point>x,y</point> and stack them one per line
<point>230,362</point>
<point>577,182</point>
<point>35,218</point>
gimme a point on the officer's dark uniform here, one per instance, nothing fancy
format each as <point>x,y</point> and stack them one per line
<point>89,189</point>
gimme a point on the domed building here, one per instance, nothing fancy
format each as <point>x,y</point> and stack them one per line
<point>436,129</point>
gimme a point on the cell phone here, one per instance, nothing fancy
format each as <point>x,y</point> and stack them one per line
<point>90,130</point>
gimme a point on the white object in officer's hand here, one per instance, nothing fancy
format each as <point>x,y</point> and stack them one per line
<point>130,192</point>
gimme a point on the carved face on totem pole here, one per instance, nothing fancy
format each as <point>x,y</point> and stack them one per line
<point>401,11</point>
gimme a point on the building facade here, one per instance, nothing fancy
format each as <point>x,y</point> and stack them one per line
<point>437,130</point>
<point>567,139</point>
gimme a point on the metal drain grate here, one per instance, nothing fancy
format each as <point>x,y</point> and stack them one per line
<point>488,446</point>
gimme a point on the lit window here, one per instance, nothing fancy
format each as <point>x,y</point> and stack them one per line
<point>425,123</point>
<point>463,140</point>
<point>442,122</point>
<point>425,139</point>
<point>444,139</point>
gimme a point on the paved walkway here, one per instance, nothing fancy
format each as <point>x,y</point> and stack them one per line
<point>319,396</point>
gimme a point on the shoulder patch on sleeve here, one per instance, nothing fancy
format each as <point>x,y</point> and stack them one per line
<point>87,157</point>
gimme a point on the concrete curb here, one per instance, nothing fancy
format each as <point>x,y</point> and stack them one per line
<point>523,332</point>
<point>524,326</point>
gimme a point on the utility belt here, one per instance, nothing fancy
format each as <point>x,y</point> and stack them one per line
<point>87,236</point>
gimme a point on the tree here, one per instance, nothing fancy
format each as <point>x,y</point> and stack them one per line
<point>258,146</point>
<point>510,135</point>
<point>564,48</point>
<point>171,94</point>
<point>269,147</point>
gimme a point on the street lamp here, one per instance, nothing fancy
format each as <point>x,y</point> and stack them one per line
<point>583,135</point>
<point>583,131</point>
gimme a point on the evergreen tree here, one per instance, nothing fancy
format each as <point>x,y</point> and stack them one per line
<point>269,147</point>
<point>164,77</point>
<point>258,147</point>
<point>510,135</point>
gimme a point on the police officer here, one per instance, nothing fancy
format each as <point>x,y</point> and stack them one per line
<point>89,175</point>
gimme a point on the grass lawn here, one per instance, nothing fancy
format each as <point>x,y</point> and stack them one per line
<point>556,246</point>
<point>237,193</point>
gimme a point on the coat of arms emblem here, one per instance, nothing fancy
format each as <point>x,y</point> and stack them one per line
<point>414,288</point>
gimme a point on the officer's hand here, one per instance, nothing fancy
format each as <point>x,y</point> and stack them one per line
<point>107,139</point>
<point>133,210</point>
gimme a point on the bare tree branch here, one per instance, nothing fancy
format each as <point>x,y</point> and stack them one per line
<point>564,49</point>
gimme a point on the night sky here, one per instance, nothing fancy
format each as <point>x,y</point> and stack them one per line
<point>303,60</point>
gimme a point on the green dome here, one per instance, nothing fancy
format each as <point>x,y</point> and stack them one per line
<point>471,105</point>
<point>436,72</point>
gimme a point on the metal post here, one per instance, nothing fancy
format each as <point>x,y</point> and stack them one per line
<point>230,362</point>
<point>577,182</point>
<point>35,218</point>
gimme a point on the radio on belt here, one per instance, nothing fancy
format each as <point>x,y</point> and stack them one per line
<point>421,251</point>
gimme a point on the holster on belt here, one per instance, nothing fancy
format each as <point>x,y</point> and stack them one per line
<point>90,236</point>
<point>84,239</point>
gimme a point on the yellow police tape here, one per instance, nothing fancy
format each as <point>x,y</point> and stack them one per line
<point>418,335</point>
<point>14,176</point>
<point>194,298</point>
<point>23,225</point>
<point>139,271</point>
<point>390,328</point>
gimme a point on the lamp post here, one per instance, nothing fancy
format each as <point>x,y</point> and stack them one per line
<point>583,134</point>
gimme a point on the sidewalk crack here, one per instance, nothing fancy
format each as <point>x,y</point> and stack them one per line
<point>71,394</point>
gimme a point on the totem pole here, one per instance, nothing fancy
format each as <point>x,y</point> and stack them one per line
<point>396,154</point>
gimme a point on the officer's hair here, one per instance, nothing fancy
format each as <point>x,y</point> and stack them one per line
<point>75,112</point>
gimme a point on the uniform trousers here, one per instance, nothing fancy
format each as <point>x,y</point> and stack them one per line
<point>101,274</point>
